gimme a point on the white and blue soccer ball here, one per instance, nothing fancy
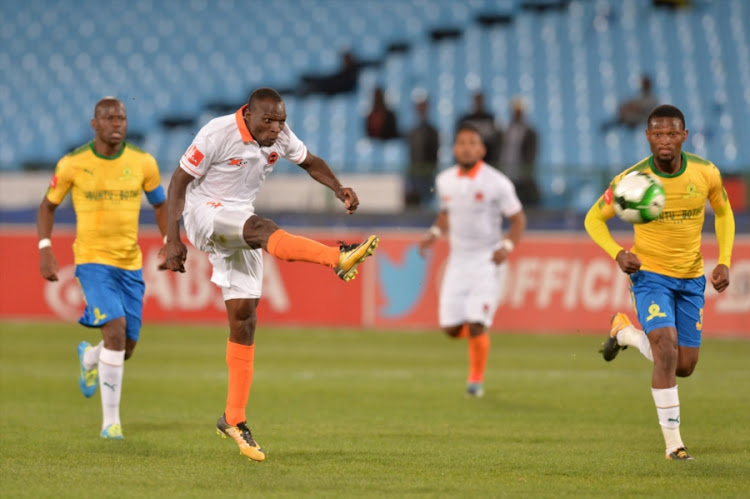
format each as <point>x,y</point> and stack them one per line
<point>639,197</point>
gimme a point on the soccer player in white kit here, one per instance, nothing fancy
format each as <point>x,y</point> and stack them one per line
<point>474,197</point>
<point>214,189</point>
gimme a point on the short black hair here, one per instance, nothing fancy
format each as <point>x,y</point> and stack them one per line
<point>466,126</point>
<point>667,111</point>
<point>105,101</point>
<point>263,94</point>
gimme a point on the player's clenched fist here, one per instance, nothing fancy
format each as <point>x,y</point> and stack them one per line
<point>347,196</point>
<point>176,256</point>
<point>628,262</point>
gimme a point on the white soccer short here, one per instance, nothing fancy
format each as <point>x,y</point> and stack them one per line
<point>237,269</point>
<point>470,290</point>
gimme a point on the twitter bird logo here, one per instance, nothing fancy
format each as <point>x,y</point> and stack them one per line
<point>402,283</point>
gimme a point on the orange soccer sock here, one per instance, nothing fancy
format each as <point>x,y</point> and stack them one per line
<point>464,332</point>
<point>240,362</point>
<point>479,349</point>
<point>291,248</point>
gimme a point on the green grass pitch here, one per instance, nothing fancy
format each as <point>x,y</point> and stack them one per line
<point>368,413</point>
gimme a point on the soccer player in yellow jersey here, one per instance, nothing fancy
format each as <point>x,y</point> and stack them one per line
<point>666,266</point>
<point>105,178</point>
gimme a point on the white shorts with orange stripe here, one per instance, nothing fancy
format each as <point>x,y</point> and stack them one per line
<point>470,290</point>
<point>217,229</point>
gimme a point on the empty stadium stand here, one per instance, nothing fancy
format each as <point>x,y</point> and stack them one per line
<point>572,61</point>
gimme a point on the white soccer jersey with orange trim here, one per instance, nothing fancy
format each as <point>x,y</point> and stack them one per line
<point>229,166</point>
<point>476,201</point>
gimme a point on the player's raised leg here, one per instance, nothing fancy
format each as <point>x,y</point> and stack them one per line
<point>264,233</point>
<point>623,334</point>
<point>88,372</point>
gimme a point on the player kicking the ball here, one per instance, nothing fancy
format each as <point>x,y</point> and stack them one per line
<point>214,189</point>
<point>666,265</point>
<point>474,197</point>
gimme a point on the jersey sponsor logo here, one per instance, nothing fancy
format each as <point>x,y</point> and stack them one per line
<point>194,156</point>
<point>654,311</point>
<point>609,196</point>
<point>112,195</point>
<point>215,204</point>
<point>237,162</point>
<point>479,197</point>
<point>53,182</point>
<point>273,157</point>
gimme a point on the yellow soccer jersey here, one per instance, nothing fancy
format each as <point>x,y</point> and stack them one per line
<point>670,245</point>
<point>106,192</point>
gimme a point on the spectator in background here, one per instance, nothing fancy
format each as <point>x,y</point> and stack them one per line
<point>518,147</point>
<point>484,121</point>
<point>424,142</point>
<point>344,80</point>
<point>634,112</point>
<point>381,122</point>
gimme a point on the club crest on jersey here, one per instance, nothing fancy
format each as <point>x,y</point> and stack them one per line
<point>194,156</point>
<point>127,174</point>
<point>237,162</point>
<point>479,197</point>
<point>691,191</point>
<point>273,157</point>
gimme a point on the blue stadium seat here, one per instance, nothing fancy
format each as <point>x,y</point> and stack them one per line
<point>572,65</point>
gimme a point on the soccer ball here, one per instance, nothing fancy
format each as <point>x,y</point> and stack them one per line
<point>639,197</point>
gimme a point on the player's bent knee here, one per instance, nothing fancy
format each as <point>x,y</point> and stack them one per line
<point>453,332</point>
<point>685,371</point>
<point>113,334</point>
<point>129,347</point>
<point>257,230</point>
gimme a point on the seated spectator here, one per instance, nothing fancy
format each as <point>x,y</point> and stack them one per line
<point>424,142</point>
<point>484,121</point>
<point>381,121</point>
<point>344,80</point>
<point>518,148</point>
<point>634,112</point>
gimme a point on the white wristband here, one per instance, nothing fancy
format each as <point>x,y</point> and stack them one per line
<point>508,245</point>
<point>436,231</point>
<point>45,243</point>
<point>165,239</point>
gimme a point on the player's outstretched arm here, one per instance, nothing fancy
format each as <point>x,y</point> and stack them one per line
<point>176,253</point>
<point>438,228</point>
<point>45,220</point>
<point>320,171</point>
